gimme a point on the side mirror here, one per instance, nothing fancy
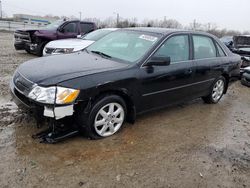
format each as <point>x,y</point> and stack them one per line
<point>159,61</point>
<point>79,36</point>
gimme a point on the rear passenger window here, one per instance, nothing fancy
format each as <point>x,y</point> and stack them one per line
<point>86,27</point>
<point>221,53</point>
<point>177,48</point>
<point>203,47</point>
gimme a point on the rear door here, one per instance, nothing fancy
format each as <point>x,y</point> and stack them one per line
<point>164,85</point>
<point>86,28</point>
<point>209,62</point>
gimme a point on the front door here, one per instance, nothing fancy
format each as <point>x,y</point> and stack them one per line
<point>69,30</point>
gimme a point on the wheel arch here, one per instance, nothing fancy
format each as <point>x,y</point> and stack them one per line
<point>226,76</point>
<point>131,110</point>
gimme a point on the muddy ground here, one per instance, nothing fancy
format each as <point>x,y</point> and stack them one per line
<point>189,145</point>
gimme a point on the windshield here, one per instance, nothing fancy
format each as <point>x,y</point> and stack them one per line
<point>128,46</point>
<point>54,25</point>
<point>96,35</point>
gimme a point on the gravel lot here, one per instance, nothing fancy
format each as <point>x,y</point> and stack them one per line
<point>189,145</point>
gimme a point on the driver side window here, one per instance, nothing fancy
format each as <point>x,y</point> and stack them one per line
<point>176,47</point>
<point>70,28</point>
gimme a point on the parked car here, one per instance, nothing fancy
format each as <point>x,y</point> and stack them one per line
<point>73,45</point>
<point>239,45</point>
<point>34,40</point>
<point>228,41</point>
<point>245,79</point>
<point>127,72</point>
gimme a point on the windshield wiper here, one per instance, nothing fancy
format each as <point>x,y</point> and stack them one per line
<point>101,54</point>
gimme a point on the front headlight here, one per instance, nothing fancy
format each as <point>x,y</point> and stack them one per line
<point>63,50</point>
<point>47,95</point>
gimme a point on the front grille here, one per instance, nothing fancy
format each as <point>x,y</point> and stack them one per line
<point>22,36</point>
<point>22,84</point>
<point>49,50</point>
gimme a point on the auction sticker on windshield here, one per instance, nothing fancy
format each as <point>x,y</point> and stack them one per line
<point>148,38</point>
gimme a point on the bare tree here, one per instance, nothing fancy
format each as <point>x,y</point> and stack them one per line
<point>170,23</point>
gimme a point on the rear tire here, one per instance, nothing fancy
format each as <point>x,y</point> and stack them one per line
<point>105,118</point>
<point>216,92</point>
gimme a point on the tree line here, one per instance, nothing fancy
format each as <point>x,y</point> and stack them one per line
<point>167,23</point>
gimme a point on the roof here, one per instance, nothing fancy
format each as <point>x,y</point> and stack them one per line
<point>158,30</point>
<point>165,31</point>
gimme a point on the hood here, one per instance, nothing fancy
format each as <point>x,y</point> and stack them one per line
<point>27,30</point>
<point>44,32</point>
<point>77,44</point>
<point>52,70</point>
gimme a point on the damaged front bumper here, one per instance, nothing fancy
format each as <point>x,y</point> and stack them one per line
<point>51,111</point>
<point>58,112</point>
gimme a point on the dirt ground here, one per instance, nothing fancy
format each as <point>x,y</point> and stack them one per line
<point>189,145</point>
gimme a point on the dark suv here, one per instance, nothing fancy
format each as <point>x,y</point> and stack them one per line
<point>127,72</point>
<point>34,40</point>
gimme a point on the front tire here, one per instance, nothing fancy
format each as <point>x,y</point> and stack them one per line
<point>105,118</point>
<point>40,49</point>
<point>216,91</point>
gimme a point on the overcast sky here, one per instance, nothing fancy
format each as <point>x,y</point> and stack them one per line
<point>230,14</point>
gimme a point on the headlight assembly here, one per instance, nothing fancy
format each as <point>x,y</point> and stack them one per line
<point>63,50</point>
<point>66,95</point>
<point>47,95</point>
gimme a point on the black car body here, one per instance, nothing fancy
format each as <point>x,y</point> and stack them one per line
<point>34,40</point>
<point>152,81</point>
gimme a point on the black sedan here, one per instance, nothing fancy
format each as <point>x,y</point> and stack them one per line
<point>126,73</point>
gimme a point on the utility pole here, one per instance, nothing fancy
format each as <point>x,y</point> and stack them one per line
<point>1,11</point>
<point>194,24</point>
<point>117,19</point>
<point>80,15</point>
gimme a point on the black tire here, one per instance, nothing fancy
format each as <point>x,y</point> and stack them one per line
<point>40,48</point>
<point>210,99</point>
<point>86,121</point>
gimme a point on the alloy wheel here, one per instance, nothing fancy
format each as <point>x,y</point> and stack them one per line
<point>109,119</point>
<point>218,90</point>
